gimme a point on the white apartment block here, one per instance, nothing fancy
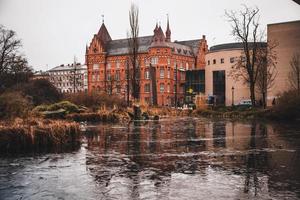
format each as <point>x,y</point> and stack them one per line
<point>69,78</point>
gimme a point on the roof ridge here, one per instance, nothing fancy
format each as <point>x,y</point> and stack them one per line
<point>127,38</point>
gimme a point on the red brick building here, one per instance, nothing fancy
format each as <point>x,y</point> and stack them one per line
<point>162,65</point>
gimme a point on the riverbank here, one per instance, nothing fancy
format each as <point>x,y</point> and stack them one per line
<point>38,135</point>
<point>269,114</point>
<point>234,114</point>
<point>41,134</point>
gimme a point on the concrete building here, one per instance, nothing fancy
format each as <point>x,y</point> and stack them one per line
<point>69,78</point>
<point>219,80</point>
<point>287,36</point>
<point>162,65</point>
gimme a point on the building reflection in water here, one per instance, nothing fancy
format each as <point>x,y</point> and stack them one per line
<point>151,155</point>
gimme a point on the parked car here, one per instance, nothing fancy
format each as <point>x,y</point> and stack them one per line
<point>245,102</point>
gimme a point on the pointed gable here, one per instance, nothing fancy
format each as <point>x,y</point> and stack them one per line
<point>103,34</point>
<point>96,46</point>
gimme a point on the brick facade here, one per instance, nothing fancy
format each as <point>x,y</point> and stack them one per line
<point>160,60</point>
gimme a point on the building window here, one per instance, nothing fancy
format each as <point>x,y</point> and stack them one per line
<point>175,74</point>
<point>214,61</point>
<point>162,87</point>
<point>232,60</point>
<point>169,61</point>
<point>146,62</point>
<point>117,75</point>
<point>108,77</point>
<point>108,66</point>
<point>181,65</point>
<point>118,89</point>
<point>208,62</point>
<point>118,65</point>
<point>154,60</point>
<point>168,73</point>
<point>147,88</point>
<point>147,74</point>
<point>96,66</point>
<point>168,87</point>
<point>182,76</point>
<point>222,60</point>
<point>162,72</point>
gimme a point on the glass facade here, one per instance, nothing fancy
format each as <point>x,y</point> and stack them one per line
<point>219,86</point>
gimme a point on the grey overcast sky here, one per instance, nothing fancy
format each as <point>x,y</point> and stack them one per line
<point>53,31</point>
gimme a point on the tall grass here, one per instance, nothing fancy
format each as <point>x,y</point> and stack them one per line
<point>38,136</point>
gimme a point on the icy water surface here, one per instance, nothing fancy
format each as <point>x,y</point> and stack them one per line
<point>181,158</point>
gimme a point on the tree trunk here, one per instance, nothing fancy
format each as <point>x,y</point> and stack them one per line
<point>153,85</point>
<point>128,83</point>
<point>252,94</point>
<point>264,100</point>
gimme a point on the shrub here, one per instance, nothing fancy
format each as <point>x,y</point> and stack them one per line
<point>14,104</point>
<point>41,91</point>
<point>95,100</point>
<point>287,106</point>
<point>65,106</point>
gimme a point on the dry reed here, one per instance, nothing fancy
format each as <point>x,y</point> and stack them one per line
<point>38,135</point>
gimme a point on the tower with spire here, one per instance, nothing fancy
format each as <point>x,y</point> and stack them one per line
<point>168,31</point>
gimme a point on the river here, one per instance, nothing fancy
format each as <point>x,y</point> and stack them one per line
<point>176,158</point>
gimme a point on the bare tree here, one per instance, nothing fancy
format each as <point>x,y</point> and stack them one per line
<point>266,67</point>
<point>153,85</point>
<point>245,28</point>
<point>115,83</point>
<point>294,75</point>
<point>13,65</point>
<point>133,47</point>
<point>75,78</point>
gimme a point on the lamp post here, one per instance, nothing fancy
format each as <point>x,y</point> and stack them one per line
<point>232,98</point>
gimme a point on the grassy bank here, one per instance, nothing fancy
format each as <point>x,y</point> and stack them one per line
<point>38,135</point>
<point>234,114</point>
<point>113,116</point>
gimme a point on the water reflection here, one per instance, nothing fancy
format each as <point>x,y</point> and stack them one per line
<point>146,158</point>
<point>181,158</point>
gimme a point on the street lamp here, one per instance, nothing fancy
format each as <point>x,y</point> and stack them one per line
<point>232,98</point>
